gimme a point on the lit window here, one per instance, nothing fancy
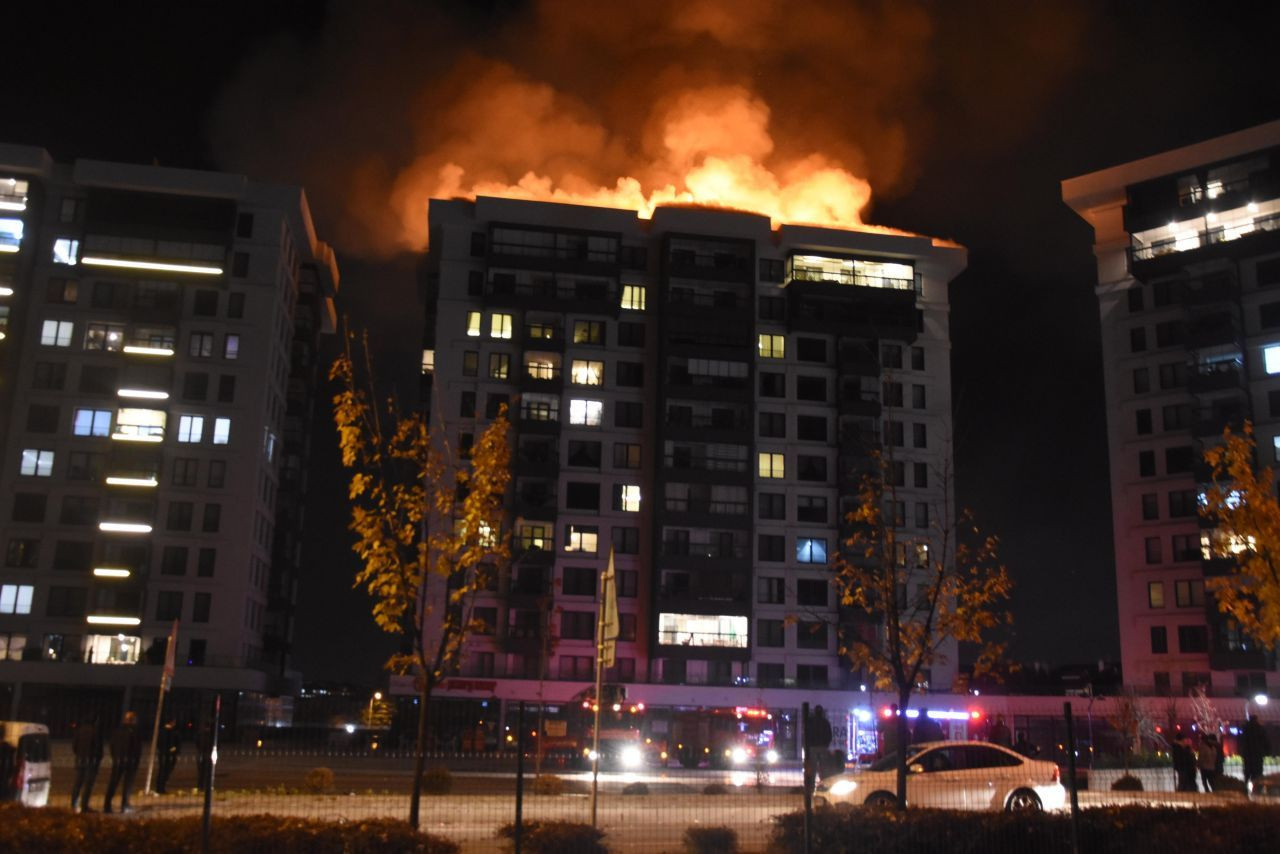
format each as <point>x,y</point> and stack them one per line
<point>112,649</point>
<point>92,422</point>
<point>231,347</point>
<point>702,630</point>
<point>140,424</point>
<point>1271,358</point>
<point>628,498</point>
<point>541,368</point>
<point>811,550</point>
<point>1275,447</point>
<point>473,324</point>
<point>586,372</point>
<point>772,465</point>
<point>771,346</point>
<point>10,234</point>
<point>581,538</point>
<point>13,195</point>
<point>633,297</point>
<point>500,326</point>
<point>428,361</point>
<point>66,251</point>
<point>104,336</point>
<point>190,428</point>
<point>37,463</point>
<point>16,598</point>
<point>585,413</point>
<point>1155,594</point>
<point>56,333</point>
<point>221,431</point>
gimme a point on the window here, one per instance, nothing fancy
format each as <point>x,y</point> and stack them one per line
<point>771,346</point>
<point>1193,639</point>
<point>628,413</point>
<point>108,337</point>
<point>1179,459</point>
<point>195,386</point>
<point>92,422</point>
<point>811,468</point>
<point>811,508</point>
<point>1143,421</point>
<point>473,324</point>
<point>1146,463</point>
<point>1176,416</point>
<point>630,374</point>
<point>811,388</point>
<point>212,518</point>
<point>771,548</point>
<point>66,251</point>
<point>922,514</point>
<point>626,541</point>
<point>49,375</point>
<point>1155,594</point>
<point>190,428</point>
<point>921,474</point>
<point>811,634</point>
<point>630,334</point>
<point>16,598</point>
<point>470,363</point>
<point>173,560</point>
<point>36,463</point>
<point>84,466</point>
<point>499,366</point>
<point>1173,375</point>
<point>581,538</point>
<point>201,607</point>
<point>62,290</point>
<point>894,434</point>
<point>772,308</point>
<point>773,425</point>
<point>811,428</point>
<point>917,397</point>
<point>578,625</point>
<point>1271,358</point>
<point>1141,381</point>
<point>206,559</point>
<point>539,407</point>
<point>1182,503</point>
<point>1135,299</point>
<point>217,474</point>
<point>579,581</point>
<point>1159,640</point>
<point>1152,549</point>
<point>56,333</point>
<point>891,356</point>
<point>582,496</point>
<point>22,552</point>
<point>467,404</point>
<point>812,592</point>
<point>169,605</point>
<point>226,388</point>
<point>771,505</point>
<point>626,455</point>
<point>811,550</point>
<point>221,431</point>
<point>201,345</point>
<point>205,303</point>
<point>585,413</point>
<point>891,394</point>
<point>772,465</point>
<point>586,372</point>
<point>626,497</point>
<point>1137,339</point>
<point>1150,506</point>
<point>633,297</point>
<point>919,436</point>
<point>493,404</point>
<point>180,516</point>
<point>1189,594</point>
<point>588,332</point>
<point>235,306</point>
<point>811,350</point>
<point>917,358</point>
<point>231,347</point>
<point>582,454</point>
<point>770,633</point>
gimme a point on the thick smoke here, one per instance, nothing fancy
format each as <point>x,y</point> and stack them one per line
<point>795,109</point>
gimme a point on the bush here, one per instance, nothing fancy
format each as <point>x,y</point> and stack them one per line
<point>318,780</point>
<point>58,831</point>
<point>1116,830</point>
<point>557,837</point>
<point>636,788</point>
<point>548,784</point>
<point>437,780</point>
<point>710,840</point>
<point>1127,783</point>
<point>715,789</point>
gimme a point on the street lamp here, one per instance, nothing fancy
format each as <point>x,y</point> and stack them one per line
<point>376,698</point>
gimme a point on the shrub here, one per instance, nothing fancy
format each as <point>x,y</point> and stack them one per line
<point>548,784</point>
<point>557,837</point>
<point>636,788</point>
<point>437,780</point>
<point>715,789</point>
<point>1127,783</point>
<point>318,780</point>
<point>57,831</point>
<point>710,840</point>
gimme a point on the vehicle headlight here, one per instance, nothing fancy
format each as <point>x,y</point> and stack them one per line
<point>739,755</point>
<point>771,757</point>
<point>631,757</point>
<point>840,788</point>
<point>592,755</point>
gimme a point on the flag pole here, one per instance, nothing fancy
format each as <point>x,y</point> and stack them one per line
<point>166,675</point>
<point>606,643</point>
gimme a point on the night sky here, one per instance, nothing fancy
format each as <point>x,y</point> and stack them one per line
<point>963,116</point>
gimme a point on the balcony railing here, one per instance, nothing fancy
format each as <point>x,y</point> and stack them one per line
<point>848,277</point>
<point>1208,236</point>
<point>724,551</point>
<point>702,505</point>
<point>690,461</point>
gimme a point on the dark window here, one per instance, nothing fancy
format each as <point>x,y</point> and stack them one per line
<point>244,225</point>
<point>1173,375</point>
<point>579,581</point>
<point>240,265</point>
<point>628,583</point>
<point>226,388</point>
<point>169,605</point>
<point>772,384</point>
<point>770,633</point>
<point>895,434</point>
<point>1269,317</point>
<point>811,508</point>
<point>630,373</point>
<point>1193,639</point>
<point>771,505</point>
<point>811,468</point>
<point>1182,503</point>
<point>771,591</point>
<point>205,303</point>
<point>1176,416</point>
<point>630,334</point>
<point>79,510</point>
<point>771,269</point>
<point>195,386</point>
<point>22,552</point>
<point>49,375</point>
<point>212,518</point>
<point>811,388</point>
<point>917,358</point>
<point>811,428</point>
<point>626,455</point>
<point>811,349</point>
<point>195,652</point>
<point>812,592</point>
<point>206,559</point>
<point>772,308</point>
<point>811,634</point>
<point>84,466</point>
<point>1150,506</point>
<point>918,397</point>
<point>628,413</point>
<point>771,548</point>
<point>1135,299</point>
<point>634,257</point>
<point>1146,463</point>
<point>582,496</point>
<point>180,516</point>
<point>467,404</point>
<point>1178,460</point>
<point>1141,381</point>
<point>584,454</point>
<point>1143,421</point>
<point>1170,333</point>
<point>235,305</point>
<point>201,606</point>
<point>186,471</point>
<point>470,363</point>
<point>891,356</point>
<point>66,602</point>
<point>1137,339</point>
<point>626,541</point>
<point>1152,549</point>
<point>493,403</point>
<point>922,514</point>
<point>895,473</point>
<point>217,473</point>
<point>62,290</point>
<point>98,379</point>
<point>921,471</point>
<point>42,418</point>
<point>892,393</point>
<point>577,625</point>
<point>173,560</point>
<point>773,425</point>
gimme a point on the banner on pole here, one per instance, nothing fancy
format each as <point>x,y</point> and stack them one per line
<point>608,639</point>
<point>170,655</point>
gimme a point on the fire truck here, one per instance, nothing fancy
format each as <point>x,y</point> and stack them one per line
<point>568,732</point>
<point>721,737</point>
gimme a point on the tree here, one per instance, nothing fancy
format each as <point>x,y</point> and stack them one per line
<point>418,509</point>
<point>1135,724</point>
<point>916,592</point>
<point>1241,501</point>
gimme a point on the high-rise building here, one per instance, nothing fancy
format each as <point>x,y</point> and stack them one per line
<point>157,370</point>
<point>1188,249</point>
<point>698,392</point>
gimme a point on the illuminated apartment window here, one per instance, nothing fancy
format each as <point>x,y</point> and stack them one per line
<point>811,550</point>
<point>581,538</point>
<point>772,465</point>
<point>10,234</point>
<point>1155,594</point>
<point>585,372</point>
<point>221,431</point>
<point>1271,358</point>
<point>585,413</point>
<point>37,463</point>
<point>92,422</point>
<point>13,195</point>
<point>541,368</point>
<point>201,345</point>
<point>702,630</point>
<point>627,498</point>
<point>771,346</point>
<point>66,251</point>
<point>134,423</point>
<point>499,366</point>
<point>500,326</point>
<point>633,297</point>
<point>104,336</point>
<point>190,428</point>
<point>231,347</point>
<point>428,361</point>
<point>473,324</point>
<point>16,598</point>
<point>56,333</point>
<point>112,649</point>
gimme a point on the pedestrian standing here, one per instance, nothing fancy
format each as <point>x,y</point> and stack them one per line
<point>999,733</point>
<point>168,747</point>
<point>1254,747</point>
<point>817,741</point>
<point>86,746</point>
<point>1207,759</point>
<point>1184,764</point>
<point>927,729</point>
<point>126,753</point>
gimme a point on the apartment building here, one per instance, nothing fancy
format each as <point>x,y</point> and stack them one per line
<point>698,392</point>
<point>1188,249</point>
<point>157,371</point>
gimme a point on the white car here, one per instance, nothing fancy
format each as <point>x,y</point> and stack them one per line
<point>959,775</point>
<point>24,763</point>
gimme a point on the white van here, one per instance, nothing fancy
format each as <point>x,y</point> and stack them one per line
<point>25,772</point>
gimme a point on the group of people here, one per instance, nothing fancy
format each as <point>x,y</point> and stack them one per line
<point>1207,758</point>
<point>125,748</point>
<point>999,734</point>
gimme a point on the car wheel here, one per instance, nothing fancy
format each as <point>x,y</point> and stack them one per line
<point>1024,800</point>
<point>881,801</point>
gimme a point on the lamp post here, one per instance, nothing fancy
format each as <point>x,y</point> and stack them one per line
<point>376,698</point>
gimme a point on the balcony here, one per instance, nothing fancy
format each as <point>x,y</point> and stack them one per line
<point>1215,376</point>
<point>543,336</point>
<point>562,251</point>
<point>533,550</point>
<point>537,504</point>
<point>699,509</point>
<point>733,264</point>
<point>857,360</point>
<point>1213,330</point>
<point>686,301</point>
<point>855,400</point>
<point>695,462</point>
<point>1202,240</point>
<point>591,297</point>
<point>541,377</point>
<point>537,461</point>
<point>828,307</point>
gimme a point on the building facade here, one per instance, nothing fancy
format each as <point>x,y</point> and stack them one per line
<point>1188,250</point>
<point>699,393</point>
<point>157,371</point>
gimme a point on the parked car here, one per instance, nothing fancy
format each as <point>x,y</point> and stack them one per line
<point>25,772</point>
<point>967,775</point>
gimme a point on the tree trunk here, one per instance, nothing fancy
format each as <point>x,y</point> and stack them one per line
<point>903,741</point>
<point>419,753</point>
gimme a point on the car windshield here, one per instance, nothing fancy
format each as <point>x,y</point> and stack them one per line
<point>890,760</point>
